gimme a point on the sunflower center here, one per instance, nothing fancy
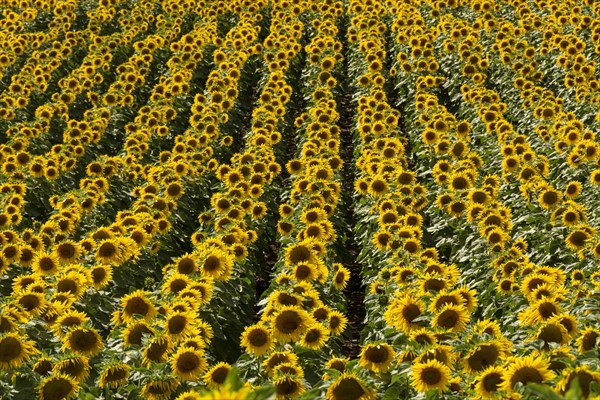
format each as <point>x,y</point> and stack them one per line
<point>492,381</point>
<point>411,312</point>
<point>57,389</point>
<point>258,338</point>
<point>288,321</point>
<point>589,340</point>
<point>547,310</point>
<point>348,389</point>
<point>220,374</point>
<point>300,254</point>
<point>313,336</point>
<point>156,351</point>
<point>186,266</point>
<point>66,251</point>
<point>10,348</point>
<point>98,275</point>
<point>526,375</point>
<point>303,271</point>
<point>107,250</point>
<point>116,374</point>
<point>483,357</point>
<point>286,387</point>
<point>376,354</point>
<point>287,300</point>
<point>448,319</point>
<point>188,362</point>
<point>212,263</point>
<point>136,305</point>
<point>29,302</point>
<point>431,376</point>
<point>135,335</point>
<point>67,285</point>
<point>434,284</point>
<point>46,264</point>
<point>551,334</point>
<point>83,340</point>
<point>72,367</point>
<point>177,324</point>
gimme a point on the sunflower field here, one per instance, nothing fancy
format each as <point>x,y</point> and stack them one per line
<point>299,199</point>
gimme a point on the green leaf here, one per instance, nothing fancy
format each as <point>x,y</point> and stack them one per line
<point>543,392</point>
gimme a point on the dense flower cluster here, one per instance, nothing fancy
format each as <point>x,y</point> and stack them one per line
<point>338,199</point>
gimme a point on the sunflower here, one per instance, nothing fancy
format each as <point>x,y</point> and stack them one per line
<point>584,376</point>
<point>337,322</point>
<point>32,302</point>
<point>534,280</point>
<point>483,356</point>
<point>137,303</point>
<point>349,387</point>
<point>279,357</point>
<point>290,369</point>
<point>134,333</point>
<point>15,349</point>
<point>101,276</point>
<point>43,365</point>
<point>159,389</point>
<point>299,253</point>
<point>257,340</point>
<point>377,357</point>
<point>452,318</point>
<point>525,370</point>
<point>549,198</point>
<point>179,324</point>
<point>67,251</point>
<point>45,263</point>
<point>443,298</point>
<point>341,277</point>
<point>58,387</point>
<point>193,395</point>
<point>588,339</point>
<point>290,323</point>
<point>315,337</point>
<point>539,311</point>
<point>430,375</point>
<point>423,336</point>
<point>403,311</point>
<point>186,264</point>
<point>217,375</point>
<point>77,367</point>
<point>83,341</point>
<point>577,239</point>
<point>69,319</point>
<point>114,375</point>
<point>469,297</point>
<point>188,363</point>
<point>217,264</point>
<point>489,382</point>
<point>156,350</point>
<point>109,252</point>
<point>288,386</point>
<point>337,363</point>
<point>305,271</point>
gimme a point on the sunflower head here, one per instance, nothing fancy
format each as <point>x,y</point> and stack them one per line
<point>57,387</point>
<point>114,375</point>
<point>430,375</point>
<point>351,387</point>
<point>83,341</point>
<point>188,363</point>
<point>377,357</point>
<point>217,375</point>
<point>257,340</point>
